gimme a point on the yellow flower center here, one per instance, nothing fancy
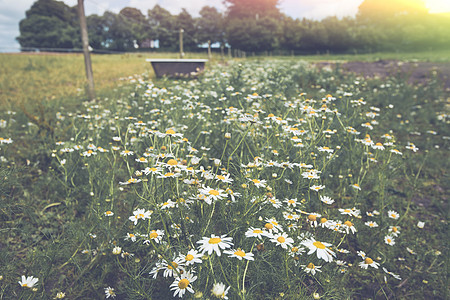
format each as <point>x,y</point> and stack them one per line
<point>172,162</point>
<point>240,253</point>
<point>221,177</point>
<point>169,174</point>
<point>368,261</point>
<point>312,217</point>
<point>291,201</point>
<point>310,266</point>
<point>215,240</point>
<point>25,285</point>
<point>319,245</point>
<point>378,144</point>
<point>394,229</point>
<point>142,159</point>
<point>109,212</point>
<point>281,239</point>
<point>214,192</point>
<point>294,249</point>
<point>153,234</point>
<point>189,257</point>
<point>348,223</point>
<point>323,220</point>
<point>256,181</point>
<point>173,265</point>
<point>268,226</point>
<point>183,283</point>
<point>131,235</point>
<point>257,231</point>
<point>271,115</point>
<point>170,131</point>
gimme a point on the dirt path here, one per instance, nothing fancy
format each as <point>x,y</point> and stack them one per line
<point>416,72</point>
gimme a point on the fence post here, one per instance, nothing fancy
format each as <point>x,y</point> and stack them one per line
<point>181,43</point>
<point>87,56</point>
<point>209,49</point>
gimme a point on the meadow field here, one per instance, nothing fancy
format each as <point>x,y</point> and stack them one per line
<point>263,178</point>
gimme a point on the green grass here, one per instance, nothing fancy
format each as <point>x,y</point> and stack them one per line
<point>53,201</point>
<point>436,56</point>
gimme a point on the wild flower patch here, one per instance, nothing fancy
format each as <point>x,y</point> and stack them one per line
<point>242,184</point>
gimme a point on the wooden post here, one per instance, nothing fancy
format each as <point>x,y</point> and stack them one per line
<point>181,43</point>
<point>87,56</point>
<point>209,49</point>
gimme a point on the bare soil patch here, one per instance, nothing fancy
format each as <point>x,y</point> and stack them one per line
<point>415,72</point>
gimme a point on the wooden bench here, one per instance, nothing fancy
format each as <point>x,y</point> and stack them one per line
<point>177,67</point>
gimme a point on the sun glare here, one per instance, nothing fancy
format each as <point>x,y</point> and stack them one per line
<point>438,6</point>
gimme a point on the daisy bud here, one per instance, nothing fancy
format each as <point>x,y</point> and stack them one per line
<point>420,224</point>
<point>216,162</point>
<point>228,135</point>
<point>316,296</point>
<point>116,250</point>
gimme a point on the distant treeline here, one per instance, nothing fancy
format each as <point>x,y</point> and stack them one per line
<point>247,25</point>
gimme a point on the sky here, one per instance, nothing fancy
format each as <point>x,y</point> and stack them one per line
<point>12,11</point>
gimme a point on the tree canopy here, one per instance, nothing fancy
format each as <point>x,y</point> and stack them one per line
<point>248,25</point>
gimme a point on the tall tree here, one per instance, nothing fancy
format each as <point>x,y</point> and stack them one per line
<point>119,35</point>
<point>50,24</point>
<point>139,26</point>
<point>185,21</point>
<point>162,23</point>
<point>210,26</point>
<point>253,25</point>
<point>252,8</point>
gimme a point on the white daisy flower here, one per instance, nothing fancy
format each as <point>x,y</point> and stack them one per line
<point>259,183</point>
<point>348,226</point>
<point>317,187</point>
<point>312,219</point>
<point>320,247</point>
<point>282,239</point>
<point>219,290</point>
<point>192,257</point>
<point>183,283</point>
<point>393,214</point>
<point>388,239</point>
<point>291,202</point>
<point>326,199</point>
<point>155,235</point>
<point>311,268</point>
<point>394,230</point>
<point>214,243</point>
<point>212,195</point>
<point>28,281</point>
<point>254,232</point>
<point>140,214</point>
<point>371,224</point>
<point>368,262</point>
<point>109,292</point>
<point>239,254</point>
